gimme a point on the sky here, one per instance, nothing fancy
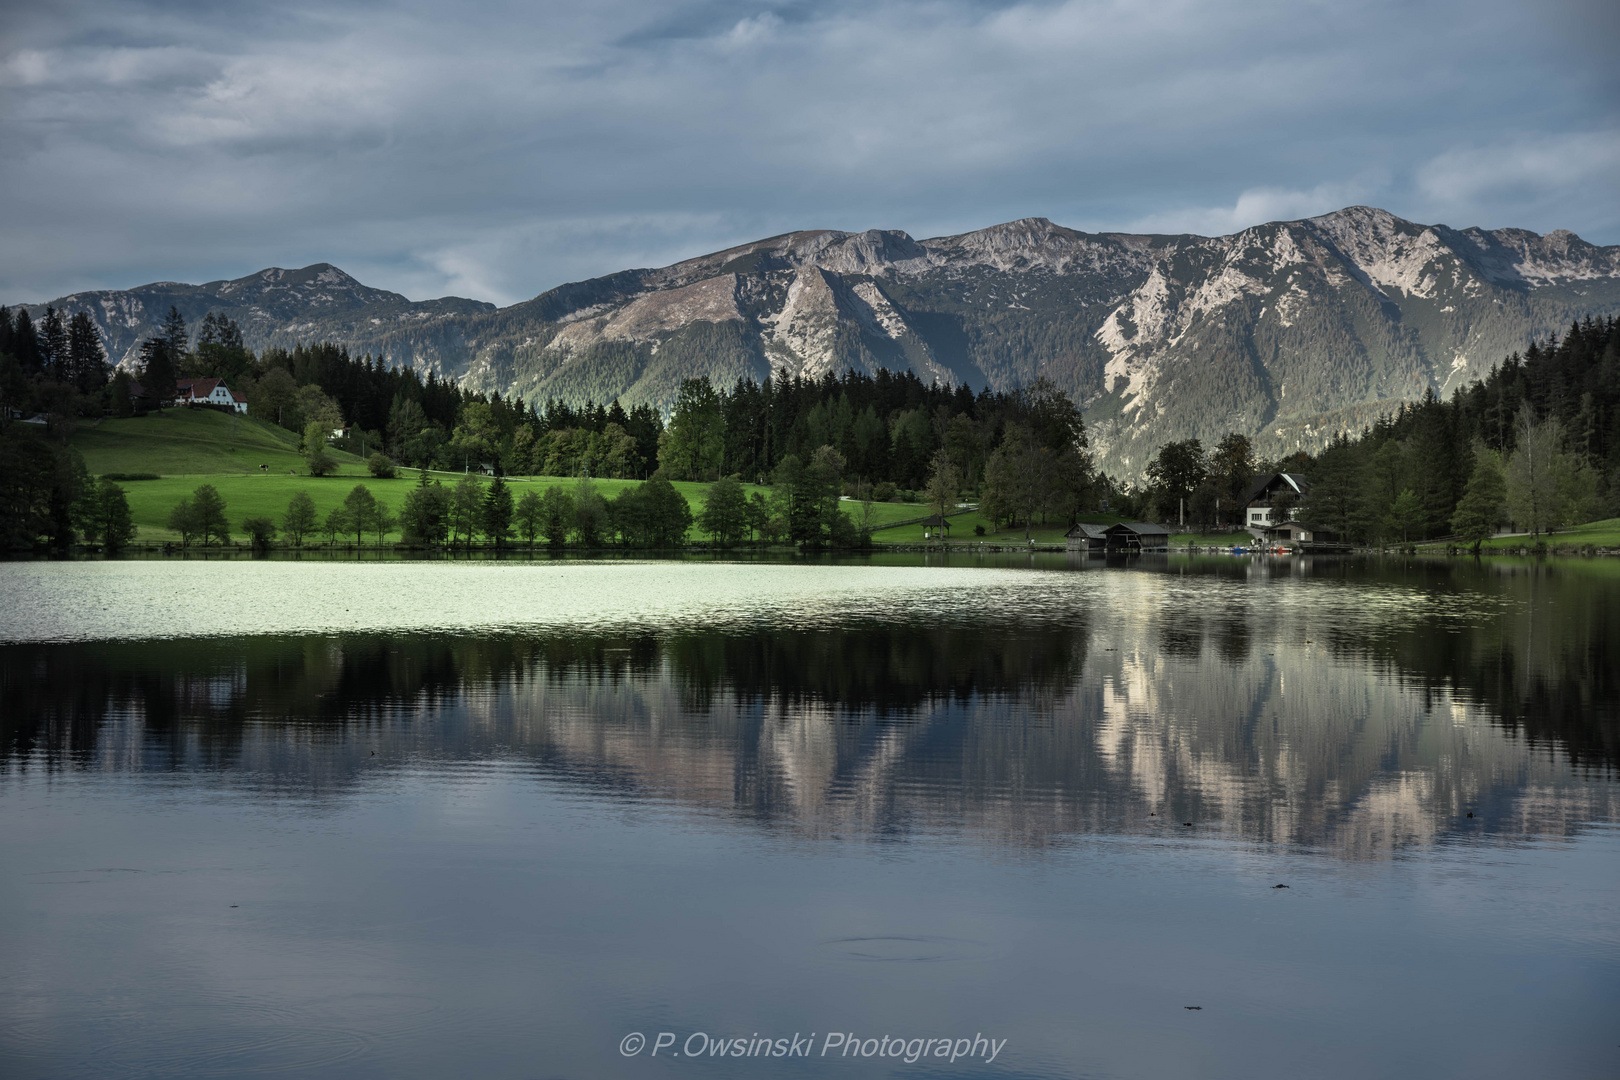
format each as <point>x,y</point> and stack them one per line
<point>495,150</point>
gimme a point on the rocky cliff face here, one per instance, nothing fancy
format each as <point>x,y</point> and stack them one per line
<point>274,306</point>
<point>1285,331</point>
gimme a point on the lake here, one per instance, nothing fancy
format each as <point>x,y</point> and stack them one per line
<point>908,816</point>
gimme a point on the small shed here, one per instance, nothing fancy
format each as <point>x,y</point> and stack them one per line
<point>1133,537</point>
<point>1087,538</point>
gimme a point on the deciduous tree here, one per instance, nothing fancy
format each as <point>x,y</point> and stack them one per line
<point>725,511</point>
<point>694,443</point>
<point>300,518</point>
<point>359,508</point>
<point>528,516</point>
<point>112,525</point>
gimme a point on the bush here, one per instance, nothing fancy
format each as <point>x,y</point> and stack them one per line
<point>126,477</point>
<point>260,530</point>
<point>381,466</point>
<point>883,492</point>
<point>978,530</point>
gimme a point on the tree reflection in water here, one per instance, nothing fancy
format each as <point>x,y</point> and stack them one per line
<point>1372,705</point>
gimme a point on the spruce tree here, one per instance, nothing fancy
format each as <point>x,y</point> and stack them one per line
<point>496,514</point>
<point>87,360</point>
<point>174,332</point>
<point>25,343</point>
<point>53,346</point>
<point>1480,509</point>
<point>158,370</point>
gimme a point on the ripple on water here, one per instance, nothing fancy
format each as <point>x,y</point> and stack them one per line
<point>243,1035</point>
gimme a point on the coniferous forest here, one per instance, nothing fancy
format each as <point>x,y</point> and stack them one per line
<point>1535,445</point>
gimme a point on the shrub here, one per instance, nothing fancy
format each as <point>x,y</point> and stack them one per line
<point>883,492</point>
<point>381,466</point>
<point>978,530</point>
<point>261,531</point>
<point>126,477</point>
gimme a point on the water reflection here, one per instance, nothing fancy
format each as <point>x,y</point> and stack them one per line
<point>1356,707</point>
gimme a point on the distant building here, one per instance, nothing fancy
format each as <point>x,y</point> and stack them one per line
<point>208,392</point>
<point>1087,538</point>
<point>1135,537</point>
<point>1272,500</point>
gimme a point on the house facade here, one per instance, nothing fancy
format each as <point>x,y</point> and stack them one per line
<point>1272,500</point>
<point>208,392</point>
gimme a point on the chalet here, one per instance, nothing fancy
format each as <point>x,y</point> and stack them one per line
<point>1134,537</point>
<point>1301,537</point>
<point>1090,539</point>
<point>208,392</point>
<point>1271,501</point>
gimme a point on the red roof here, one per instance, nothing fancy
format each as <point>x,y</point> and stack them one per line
<point>195,388</point>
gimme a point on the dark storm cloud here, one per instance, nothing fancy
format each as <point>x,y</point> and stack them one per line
<point>495,150</point>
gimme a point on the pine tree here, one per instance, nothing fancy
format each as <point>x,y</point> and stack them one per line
<point>158,371</point>
<point>53,346</point>
<point>1480,510</point>
<point>87,360</point>
<point>174,332</point>
<point>25,344</point>
<point>496,513</point>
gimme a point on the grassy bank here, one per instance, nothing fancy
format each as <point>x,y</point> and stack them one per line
<point>190,447</point>
<point>1597,534</point>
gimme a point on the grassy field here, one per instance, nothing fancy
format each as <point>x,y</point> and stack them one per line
<point>255,495</point>
<point>1603,534</point>
<point>191,447</point>
<point>194,442</point>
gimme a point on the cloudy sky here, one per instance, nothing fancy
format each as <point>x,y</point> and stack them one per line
<point>494,150</point>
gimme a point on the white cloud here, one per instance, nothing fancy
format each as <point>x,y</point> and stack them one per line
<point>1256,206</point>
<point>504,147</point>
<point>1534,167</point>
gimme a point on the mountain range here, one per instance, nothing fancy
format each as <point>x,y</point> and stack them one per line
<point>1288,331</point>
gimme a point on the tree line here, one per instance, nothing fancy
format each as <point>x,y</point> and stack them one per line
<point>1534,445</point>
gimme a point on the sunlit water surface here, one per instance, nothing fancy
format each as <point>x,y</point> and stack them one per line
<point>487,820</point>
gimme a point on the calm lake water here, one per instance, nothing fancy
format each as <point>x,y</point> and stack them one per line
<point>489,819</point>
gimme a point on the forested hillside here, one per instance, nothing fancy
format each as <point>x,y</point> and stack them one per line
<point>1287,333</point>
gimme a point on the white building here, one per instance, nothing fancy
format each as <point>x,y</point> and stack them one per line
<point>208,392</point>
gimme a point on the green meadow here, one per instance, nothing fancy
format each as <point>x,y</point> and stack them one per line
<point>1598,534</point>
<point>190,447</point>
<point>195,442</point>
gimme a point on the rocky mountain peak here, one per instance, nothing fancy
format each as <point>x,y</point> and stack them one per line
<point>1288,331</point>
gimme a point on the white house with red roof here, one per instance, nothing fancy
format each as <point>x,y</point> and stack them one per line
<point>208,392</point>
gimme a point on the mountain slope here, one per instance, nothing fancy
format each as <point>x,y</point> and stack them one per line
<point>274,306</point>
<point>1284,331</point>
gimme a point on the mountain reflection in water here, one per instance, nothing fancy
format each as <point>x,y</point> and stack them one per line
<point>1367,707</point>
